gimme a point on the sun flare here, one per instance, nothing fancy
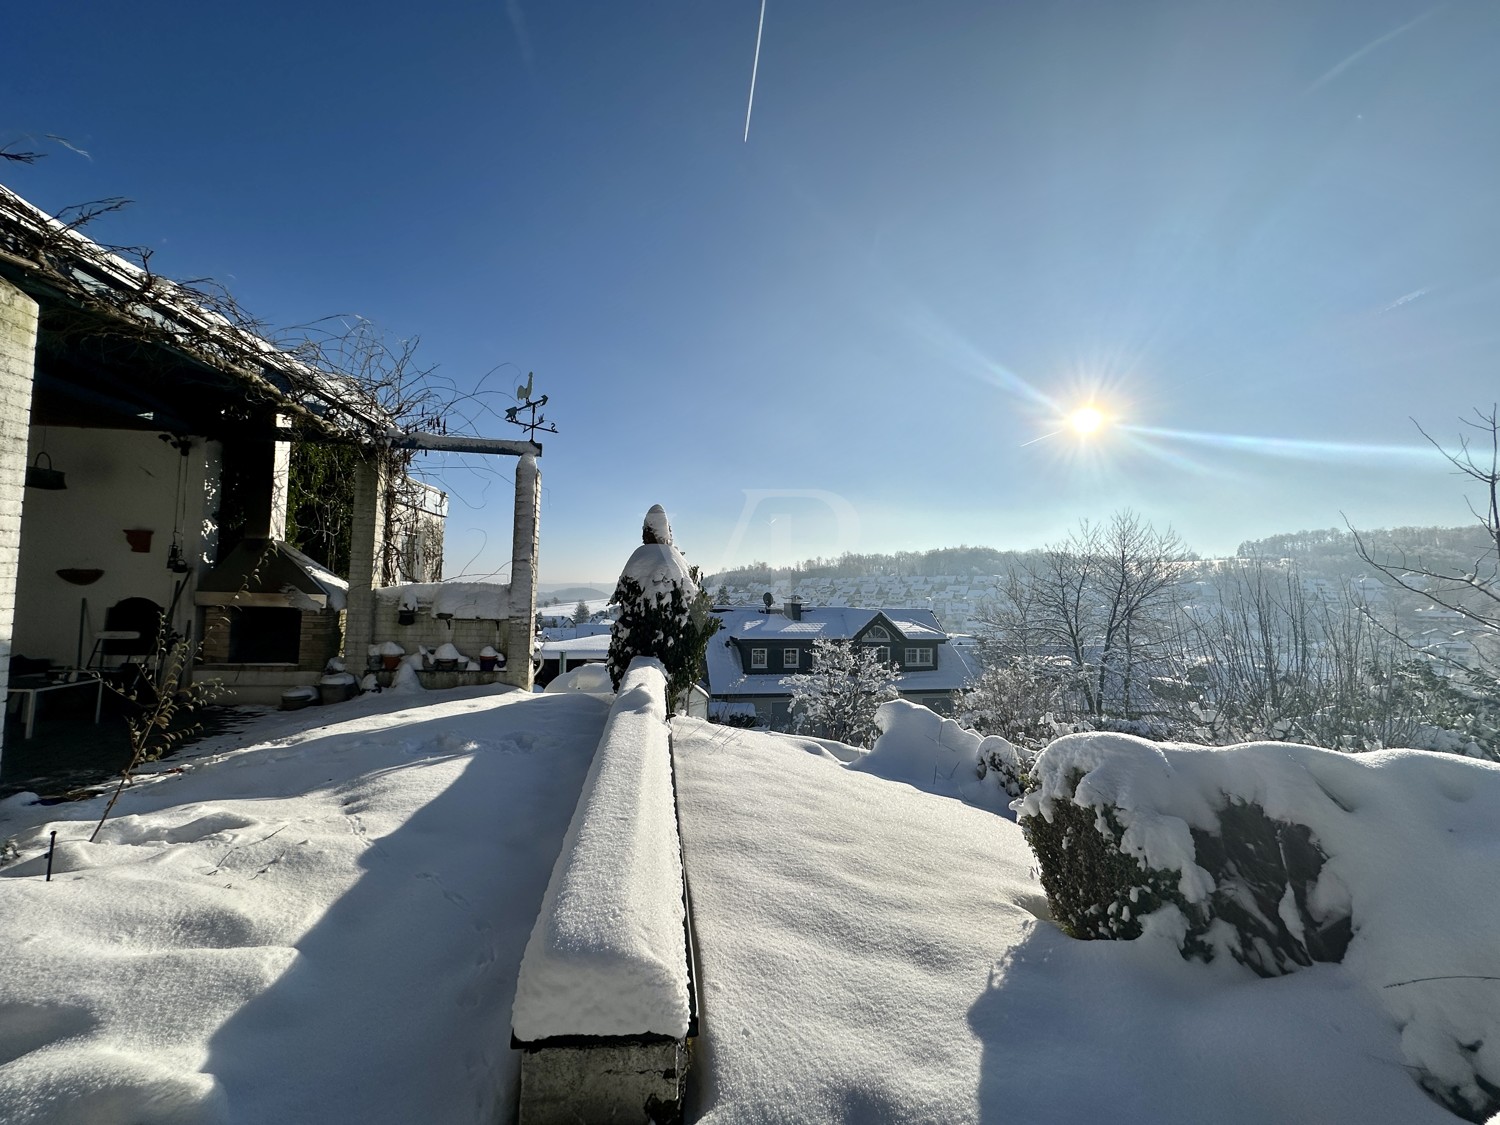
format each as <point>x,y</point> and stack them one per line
<point>1086,420</point>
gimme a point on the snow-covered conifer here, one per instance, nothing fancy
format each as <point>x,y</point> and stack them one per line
<point>663,611</point>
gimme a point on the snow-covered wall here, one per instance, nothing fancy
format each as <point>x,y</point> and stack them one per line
<point>468,615</point>
<point>608,955</point>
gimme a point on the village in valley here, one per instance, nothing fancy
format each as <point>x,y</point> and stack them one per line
<point>331,792</point>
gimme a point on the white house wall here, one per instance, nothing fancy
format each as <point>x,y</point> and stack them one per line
<point>116,479</point>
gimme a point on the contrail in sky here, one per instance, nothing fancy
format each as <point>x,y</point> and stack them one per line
<point>1368,47</point>
<point>754,68</point>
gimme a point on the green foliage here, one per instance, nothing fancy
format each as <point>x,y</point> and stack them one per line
<point>673,627</point>
<point>1261,869</point>
<point>320,503</point>
<point>1095,889</point>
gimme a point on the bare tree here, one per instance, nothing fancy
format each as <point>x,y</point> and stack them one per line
<point>1101,601</point>
<point>1472,592</point>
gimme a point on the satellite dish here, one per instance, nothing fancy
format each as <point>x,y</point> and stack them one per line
<point>768,599</point>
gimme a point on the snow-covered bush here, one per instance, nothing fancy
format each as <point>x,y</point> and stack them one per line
<point>1279,855</point>
<point>1018,698</point>
<point>838,698</point>
<point>664,613</point>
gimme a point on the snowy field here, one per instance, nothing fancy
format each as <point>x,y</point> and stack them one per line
<point>323,924</point>
<point>870,954</point>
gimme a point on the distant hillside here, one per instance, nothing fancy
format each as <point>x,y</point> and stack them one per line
<point>939,561</point>
<point>571,594</point>
<point>1333,550</point>
<point>1321,550</point>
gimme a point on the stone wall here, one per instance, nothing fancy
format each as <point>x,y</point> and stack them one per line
<point>18,320</point>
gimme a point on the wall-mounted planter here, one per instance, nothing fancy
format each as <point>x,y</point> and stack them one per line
<point>406,617</point>
<point>139,539</point>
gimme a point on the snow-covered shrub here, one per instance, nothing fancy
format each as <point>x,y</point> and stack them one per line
<point>664,613</point>
<point>1017,698</point>
<point>1007,764</point>
<point>1280,855</point>
<point>838,698</point>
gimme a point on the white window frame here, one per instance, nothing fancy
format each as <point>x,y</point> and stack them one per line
<point>758,658</point>
<point>791,658</point>
<point>877,633</point>
<point>919,657</point>
<point>883,653</point>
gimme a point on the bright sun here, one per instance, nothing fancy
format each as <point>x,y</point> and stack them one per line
<point>1085,420</point>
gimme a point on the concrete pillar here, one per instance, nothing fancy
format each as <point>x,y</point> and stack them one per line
<point>366,552</point>
<point>281,481</point>
<point>18,319</point>
<point>525,543</point>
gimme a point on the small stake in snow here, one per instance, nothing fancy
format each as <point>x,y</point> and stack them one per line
<point>51,847</point>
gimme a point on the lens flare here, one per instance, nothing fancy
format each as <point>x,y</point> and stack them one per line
<point>1086,420</point>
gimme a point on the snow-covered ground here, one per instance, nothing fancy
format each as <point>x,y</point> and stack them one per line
<point>325,923</point>
<point>870,954</point>
<point>322,926</point>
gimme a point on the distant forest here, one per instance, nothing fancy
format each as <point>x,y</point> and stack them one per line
<point>1330,550</point>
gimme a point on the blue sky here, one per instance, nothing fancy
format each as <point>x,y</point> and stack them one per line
<point>952,221</point>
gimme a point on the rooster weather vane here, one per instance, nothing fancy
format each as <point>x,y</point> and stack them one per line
<point>536,421</point>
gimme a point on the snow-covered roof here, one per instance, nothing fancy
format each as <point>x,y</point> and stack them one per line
<point>726,678</point>
<point>838,623</point>
<point>59,257</point>
<point>576,647</point>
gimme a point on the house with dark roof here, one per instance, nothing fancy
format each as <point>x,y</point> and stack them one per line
<point>751,657</point>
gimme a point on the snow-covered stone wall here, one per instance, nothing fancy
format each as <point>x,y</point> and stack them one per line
<point>470,616</point>
<point>608,955</point>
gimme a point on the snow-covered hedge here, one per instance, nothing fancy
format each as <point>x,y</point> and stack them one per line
<point>1279,855</point>
<point>608,954</point>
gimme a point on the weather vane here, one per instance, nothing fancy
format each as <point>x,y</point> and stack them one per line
<point>536,421</point>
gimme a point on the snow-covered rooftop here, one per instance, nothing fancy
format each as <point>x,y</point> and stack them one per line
<point>831,622</point>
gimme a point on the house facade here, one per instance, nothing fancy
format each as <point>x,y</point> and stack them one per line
<point>756,650</point>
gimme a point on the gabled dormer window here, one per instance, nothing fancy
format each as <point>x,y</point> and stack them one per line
<point>791,658</point>
<point>757,658</point>
<point>877,633</point>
